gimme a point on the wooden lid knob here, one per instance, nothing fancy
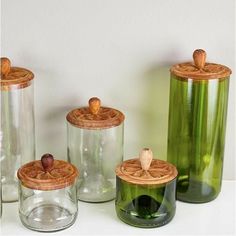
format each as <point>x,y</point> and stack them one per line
<point>145,158</point>
<point>94,105</point>
<point>5,66</point>
<point>199,57</point>
<point>47,161</point>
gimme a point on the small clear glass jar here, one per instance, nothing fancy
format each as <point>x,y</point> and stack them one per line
<point>47,194</point>
<point>146,191</point>
<point>197,126</point>
<point>95,146</point>
<point>17,125</point>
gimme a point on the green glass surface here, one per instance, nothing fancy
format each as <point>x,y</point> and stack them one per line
<point>196,136</point>
<point>145,206</point>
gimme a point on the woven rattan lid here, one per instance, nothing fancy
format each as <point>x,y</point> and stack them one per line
<point>95,116</point>
<point>47,174</point>
<point>14,77</point>
<point>199,69</point>
<point>145,170</point>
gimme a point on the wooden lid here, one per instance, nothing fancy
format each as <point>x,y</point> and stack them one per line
<point>94,116</point>
<point>199,69</point>
<point>145,170</point>
<point>47,174</point>
<point>14,77</point>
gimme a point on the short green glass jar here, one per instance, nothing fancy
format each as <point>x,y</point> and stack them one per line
<point>197,124</point>
<point>145,191</point>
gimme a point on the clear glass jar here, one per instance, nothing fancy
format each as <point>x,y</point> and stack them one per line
<point>197,124</point>
<point>95,146</point>
<point>146,191</point>
<point>17,125</point>
<point>48,194</point>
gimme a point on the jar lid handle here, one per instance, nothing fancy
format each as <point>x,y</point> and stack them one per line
<point>145,158</point>
<point>94,105</point>
<point>47,161</point>
<point>199,57</point>
<point>5,66</point>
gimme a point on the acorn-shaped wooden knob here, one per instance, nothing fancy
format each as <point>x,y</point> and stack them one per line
<point>47,161</point>
<point>145,158</point>
<point>199,57</point>
<point>5,66</point>
<point>94,105</point>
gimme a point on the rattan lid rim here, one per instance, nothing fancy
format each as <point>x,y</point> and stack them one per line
<point>139,181</point>
<point>47,184</point>
<point>96,124</point>
<point>17,83</point>
<point>200,74</point>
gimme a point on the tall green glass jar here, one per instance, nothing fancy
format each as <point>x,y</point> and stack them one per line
<point>197,123</point>
<point>145,191</point>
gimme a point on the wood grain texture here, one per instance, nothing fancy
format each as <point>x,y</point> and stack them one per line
<point>33,175</point>
<point>159,172</point>
<point>94,105</point>
<point>145,158</point>
<point>199,69</point>
<point>199,57</point>
<point>95,117</point>
<point>5,66</point>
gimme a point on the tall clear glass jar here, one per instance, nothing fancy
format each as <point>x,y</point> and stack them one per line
<point>146,191</point>
<point>197,124</point>
<point>17,125</point>
<point>47,194</point>
<point>95,146</point>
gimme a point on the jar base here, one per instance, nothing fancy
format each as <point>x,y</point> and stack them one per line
<point>96,200</point>
<point>144,223</point>
<point>195,192</point>
<point>102,191</point>
<point>48,218</point>
<point>145,212</point>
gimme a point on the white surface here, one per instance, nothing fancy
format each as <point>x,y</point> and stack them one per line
<point>120,51</point>
<point>213,218</point>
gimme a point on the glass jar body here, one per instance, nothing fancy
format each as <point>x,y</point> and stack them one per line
<point>196,136</point>
<point>17,137</point>
<point>96,153</point>
<point>48,211</point>
<point>145,206</point>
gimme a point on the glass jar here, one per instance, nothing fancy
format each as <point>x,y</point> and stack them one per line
<point>47,194</point>
<point>17,125</point>
<point>95,146</point>
<point>146,189</point>
<point>197,123</point>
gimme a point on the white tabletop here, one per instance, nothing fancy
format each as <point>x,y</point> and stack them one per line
<point>213,218</point>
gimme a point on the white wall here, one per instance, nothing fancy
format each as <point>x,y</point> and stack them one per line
<point>120,51</point>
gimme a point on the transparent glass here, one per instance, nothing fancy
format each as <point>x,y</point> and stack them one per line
<point>48,210</point>
<point>96,153</point>
<point>17,137</point>
<point>145,206</point>
<point>196,136</point>
<point>0,198</point>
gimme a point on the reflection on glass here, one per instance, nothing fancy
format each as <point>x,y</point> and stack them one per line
<point>17,137</point>
<point>196,136</point>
